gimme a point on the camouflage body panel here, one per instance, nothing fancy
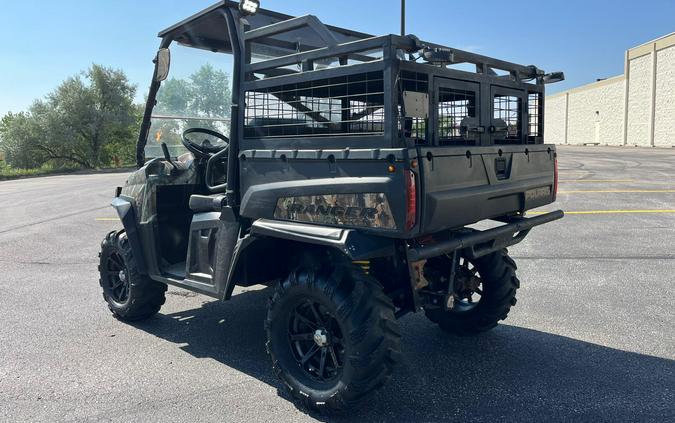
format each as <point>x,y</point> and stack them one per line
<point>358,210</point>
<point>141,186</point>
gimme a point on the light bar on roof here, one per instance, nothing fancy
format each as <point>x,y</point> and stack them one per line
<point>249,7</point>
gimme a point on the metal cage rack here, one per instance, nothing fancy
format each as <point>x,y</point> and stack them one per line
<point>345,105</point>
<point>507,111</point>
<point>454,106</point>
<point>535,115</point>
<point>297,78</point>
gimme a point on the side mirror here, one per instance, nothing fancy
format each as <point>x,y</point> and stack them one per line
<point>163,64</point>
<point>553,77</point>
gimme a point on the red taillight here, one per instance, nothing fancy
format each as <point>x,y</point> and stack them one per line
<point>411,198</point>
<point>555,180</point>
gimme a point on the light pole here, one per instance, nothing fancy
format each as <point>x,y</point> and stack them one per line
<point>402,18</point>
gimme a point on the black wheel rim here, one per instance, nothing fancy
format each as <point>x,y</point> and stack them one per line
<point>316,341</point>
<point>468,287</point>
<point>117,278</point>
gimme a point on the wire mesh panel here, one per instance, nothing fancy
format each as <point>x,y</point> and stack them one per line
<point>534,116</point>
<point>346,105</point>
<point>415,81</point>
<point>418,130</point>
<point>507,118</point>
<point>414,128</point>
<point>454,106</point>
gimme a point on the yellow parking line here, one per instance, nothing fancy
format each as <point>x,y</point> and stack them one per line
<point>570,181</point>
<point>618,191</point>
<point>607,212</point>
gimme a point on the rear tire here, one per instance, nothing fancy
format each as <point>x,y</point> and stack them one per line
<point>350,325</point>
<point>130,295</point>
<point>500,284</point>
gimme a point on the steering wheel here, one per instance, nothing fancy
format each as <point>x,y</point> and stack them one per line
<point>204,149</point>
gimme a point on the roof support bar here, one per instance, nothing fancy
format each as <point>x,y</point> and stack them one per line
<point>321,53</point>
<point>310,21</point>
<point>461,56</point>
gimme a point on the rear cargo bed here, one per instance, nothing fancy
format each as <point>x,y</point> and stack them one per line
<point>463,185</point>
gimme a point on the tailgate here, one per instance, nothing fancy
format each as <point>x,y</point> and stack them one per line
<point>464,185</point>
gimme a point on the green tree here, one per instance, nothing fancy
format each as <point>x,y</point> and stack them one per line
<point>17,141</point>
<point>203,94</point>
<point>173,97</point>
<point>77,123</point>
<point>210,92</point>
<point>122,150</point>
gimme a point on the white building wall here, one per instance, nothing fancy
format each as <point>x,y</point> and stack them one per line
<point>596,113</point>
<point>639,101</point>
<point>554,119</point>
<point>643,114</point>
<point>664,119</point>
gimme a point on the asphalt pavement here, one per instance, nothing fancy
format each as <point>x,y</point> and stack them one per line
<point>592,337</point>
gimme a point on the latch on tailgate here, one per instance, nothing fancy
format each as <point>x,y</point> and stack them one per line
<point>501,168</point>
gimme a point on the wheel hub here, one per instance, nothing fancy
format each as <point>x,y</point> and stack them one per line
<point>466,282</point>
<point>316,341</point>
<point>321,338</point>
<point>117,278</point>
<point>467,286</point>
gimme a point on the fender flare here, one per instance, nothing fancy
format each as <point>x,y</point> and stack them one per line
<point>127,215</point>
<point>356,245</point>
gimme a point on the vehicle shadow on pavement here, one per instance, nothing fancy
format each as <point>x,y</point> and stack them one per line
<point>511,373</point>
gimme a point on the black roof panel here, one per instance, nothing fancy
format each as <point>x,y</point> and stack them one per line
<point>208,30</point>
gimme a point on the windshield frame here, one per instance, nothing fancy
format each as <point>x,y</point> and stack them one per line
<point>149,115</point>
<point>234,27</point>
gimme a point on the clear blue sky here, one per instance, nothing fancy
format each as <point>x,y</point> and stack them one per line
<point>45,42</point>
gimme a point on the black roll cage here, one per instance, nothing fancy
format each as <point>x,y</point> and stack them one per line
<point>221,28</point>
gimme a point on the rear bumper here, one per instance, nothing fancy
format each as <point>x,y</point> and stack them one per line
<point>480,243</point>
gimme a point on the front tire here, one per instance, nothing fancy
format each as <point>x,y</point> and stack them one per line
<point>332,335</point>
<point>497,272</point>
<point>130,295</point>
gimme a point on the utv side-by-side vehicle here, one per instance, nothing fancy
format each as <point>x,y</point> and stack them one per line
<point>349,172</point>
